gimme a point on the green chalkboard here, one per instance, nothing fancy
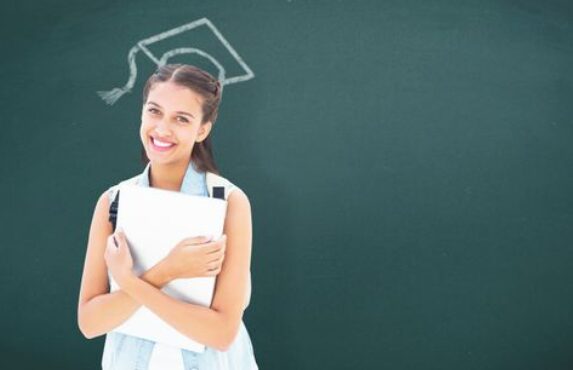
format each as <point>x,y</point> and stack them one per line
<point>409,166</point>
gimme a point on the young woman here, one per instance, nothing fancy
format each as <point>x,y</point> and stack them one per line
<point>180,104</point>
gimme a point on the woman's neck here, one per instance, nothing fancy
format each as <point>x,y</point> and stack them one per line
<point>167,177</point>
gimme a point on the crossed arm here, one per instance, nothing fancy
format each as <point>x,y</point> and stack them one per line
<point>100,311</point>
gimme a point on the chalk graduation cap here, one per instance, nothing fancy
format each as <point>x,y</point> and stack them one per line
<point>111,96</point>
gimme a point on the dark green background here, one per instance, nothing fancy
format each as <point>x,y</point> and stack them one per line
<point>409,166</point>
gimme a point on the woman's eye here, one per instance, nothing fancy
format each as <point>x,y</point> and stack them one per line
<point>152,110</point>
<point>184,120</point>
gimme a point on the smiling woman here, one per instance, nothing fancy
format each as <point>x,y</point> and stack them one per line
<point>180,104</point>
<point>168,134</point>
<point>197,94</point>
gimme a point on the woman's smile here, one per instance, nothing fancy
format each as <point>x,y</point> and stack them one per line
<point>159,145</point>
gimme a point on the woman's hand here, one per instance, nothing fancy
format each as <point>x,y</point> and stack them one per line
<point>195,257</point>
<point>118,258</point>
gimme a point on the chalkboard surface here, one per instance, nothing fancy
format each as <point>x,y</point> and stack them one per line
<point>409,166</point>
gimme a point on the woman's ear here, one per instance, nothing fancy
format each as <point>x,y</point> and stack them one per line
<point>204,131</point>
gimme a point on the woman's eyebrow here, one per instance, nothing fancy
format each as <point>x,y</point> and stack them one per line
<point>179,112</point>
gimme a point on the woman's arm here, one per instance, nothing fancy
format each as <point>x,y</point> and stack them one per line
<point>218,325</point>
<point>98,310</point>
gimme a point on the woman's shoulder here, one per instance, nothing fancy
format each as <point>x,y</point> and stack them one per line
<point>215,180</point>
<point>236,198</point>
<point>106,198</point>
<point>112,190</point>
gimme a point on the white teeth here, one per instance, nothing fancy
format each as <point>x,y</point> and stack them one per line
<point>161,143</point>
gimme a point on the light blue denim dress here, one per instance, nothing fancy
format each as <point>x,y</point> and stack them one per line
<point>125,352</point>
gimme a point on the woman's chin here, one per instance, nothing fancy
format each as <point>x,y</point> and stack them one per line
<point>159,160</point>
<point>163,160</point>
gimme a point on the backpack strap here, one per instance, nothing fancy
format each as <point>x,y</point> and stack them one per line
<point>113,194</point>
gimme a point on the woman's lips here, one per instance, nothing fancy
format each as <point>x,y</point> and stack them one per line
<point>160,148</point>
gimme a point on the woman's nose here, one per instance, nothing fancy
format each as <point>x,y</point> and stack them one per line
<point>162,128</point>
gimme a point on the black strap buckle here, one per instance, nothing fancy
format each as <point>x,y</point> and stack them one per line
<point>219,192</point>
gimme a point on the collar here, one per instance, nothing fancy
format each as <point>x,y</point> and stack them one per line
<point>194,181</point>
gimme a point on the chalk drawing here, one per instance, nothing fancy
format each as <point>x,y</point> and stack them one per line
<point>111,96</point>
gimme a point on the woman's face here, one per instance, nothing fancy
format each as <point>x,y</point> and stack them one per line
<point>171,123</point>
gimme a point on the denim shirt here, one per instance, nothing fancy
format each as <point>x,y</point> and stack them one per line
<point>127,352</point>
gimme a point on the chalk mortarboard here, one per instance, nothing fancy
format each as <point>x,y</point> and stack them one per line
<point>111,96</point>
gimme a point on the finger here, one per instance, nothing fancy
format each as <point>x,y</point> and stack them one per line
<point>109,253</point>
<point>216,256</point>
<point>213,272</point>
<point>211,251</point>
<point>213,248</point>
<point>117,241</point>
<point>120,236</point>
<point>204,249</point>
<point>221,249</point>
<point>122,247</point>
<point>110,243</point>
<point>196,240</point>
<point>203,239</point>
<point>213,267</point>
<point>186,241</point>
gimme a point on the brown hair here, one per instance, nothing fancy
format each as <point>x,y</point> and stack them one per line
<point>203,84</point>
